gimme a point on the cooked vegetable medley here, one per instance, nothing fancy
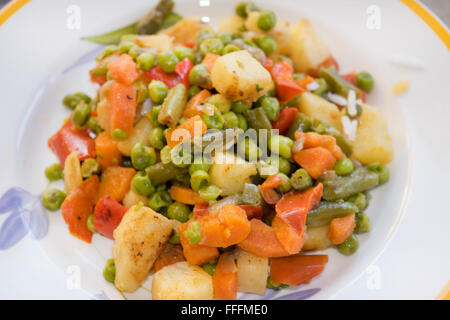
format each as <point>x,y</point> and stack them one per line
<point>218,158</point>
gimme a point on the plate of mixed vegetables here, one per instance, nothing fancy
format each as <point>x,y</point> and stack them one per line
<point>219,161</point>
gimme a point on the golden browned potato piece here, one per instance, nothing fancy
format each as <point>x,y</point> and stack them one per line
<point>72,172</point>
<point>158,42</point>
<point>239,76</point>
<point>185,30</point>
<point>317,238</point>
<point>316,107</point>
<point>139,239</point>
<point>252,272</point>
<point>132,198</point>
<point>139,135</point>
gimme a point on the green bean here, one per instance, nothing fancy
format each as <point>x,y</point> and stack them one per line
<point>336,83</point>
<point>240,106</point>
<point>145,61</point>
<point>301,123</point>
<point>257,119</point>
<point>210,267</point>
<point>358,112</point>
<point>89,167</point>
<point>173,106</point>
<point>178,211</point>
<point>52,199</point>
<point>81,115</point>
<point>156,138</point>
<point>159,199</point>
<point>142,156</point>
<point>93,125</point>
<point>349,246</point>
<point>271,107</point>
<point>141,184</point>
<point>285,185</point>
<point>192,91</point>
<point>327,211</point>
<point>171,19</point>
<point>184,52</point>
<point>365,81</point>
<point>215,121</point>
<point>251,195</point>
<point>109,273</point>
<point>193,232</point>
<point>362,223</point>
<point>162,172</point>
<point>266,44</point>
<point>153,20</point>
<point>281,145</point>
<point>211,45</point>
<point>323,128</point>
<point>359,200</point>
<point>300,180</point>
<point>381,170</point>
<point>209,193</point>
<point>167,60</point>
<point>113,37</point>
<point>199,75</point>
<point>323,87</point>
<point>343,167</point>
<point>266,20</point>
<point>54,172</point>
<point>90,223</point>
<point>119,134</point>
<point>271,284</point>
<point>362,179</point>
<point>199,179</point>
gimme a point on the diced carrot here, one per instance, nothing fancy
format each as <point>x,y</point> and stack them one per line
<point>122,106</point>
<point>303,83</point>
<point>115,182</point>
<point>230,226</point>
<point>200,209</point>
<point>311,140</point>
<point>286,87</point>
<point>341,228</point>
<point>330,61</point>
<point>107,152</point>
<point>225,278</point>
<point>298,269</point>
<point>209,60</point>
<point>196,254</point>
<point>315,160</point>
<point>262,241</point>
<point>252,211</point>
<point>267,189</point>
<point>108,214</point>
<point>291,239</point>
<point>123,70</point>
<point>185,195</point>
<point>285,119</point>
<point>171,254</point>
<point>193,127</point>
<point>101,80</point>
<point>77,208</point>
<point>192,107</point>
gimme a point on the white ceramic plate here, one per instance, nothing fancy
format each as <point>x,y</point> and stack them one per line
<point>48,61</point>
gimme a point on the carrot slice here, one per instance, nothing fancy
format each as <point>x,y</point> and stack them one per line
<point>252,211</point>
<point>225,278</point>
<point>186,195</point>
<point>122,106</point>
<point>209,60</point>
<point>192,107</point>
<point>77,208</point>
<point>303,83</point>
<point>107,152</point>
<point>268,193</point>
<point>194,127</point>
<point>262,241</point>
<point>115,182</point>
<point>230,226</point>
<point>341,228</point>
<point>298,269</point>
<point>123,70</point>
<point>318,140</point>
<point>196,254</point>
<point>200,209</point>
<point>171,254</point>
<point>315,160</point>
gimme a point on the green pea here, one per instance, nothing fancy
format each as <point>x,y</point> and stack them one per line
<point>54,172</point>
<point>145,61</point>
<point>231,120</point>
<point>240,106</point>
<point>141,91</point>
<point>125,46</point>
<point>211,45</point>
<point>285,185</point>
<point>271,284</point>
<point>159,199</point>
<point>193,232</point>
<point>210,192</point>
<point>199,75</point>
<point>90,223</point>
<point>141,184</point>
<point>216,121</point>
<point>154,112</point>
<point>52,199</point>
<point>168,61</point>
<point>81,115</point>
<point>134,52</point>
<point>300,180</point>
<point>281,145</point>
<point>193,90</point>
<point>220,102</point>
<point>241,9</point>
<point>203,166</point>
<point>109,50</point>
<point>249,148</point>
<point>359,200</point>
<point>283,165</point>
<point>72,100</point>
<point>119,134</point>
<point>225,37</point>
<point>362,223</point>
<point>101,70</point>
<point>365,81</point>
<point>109,273</point>
<point>93,125</point>
<point>199,179</point>
<point>184,52</point>
<point>157,90</point>
<point>175,237</point>
<point>180,157</point>
<point>165,154</point>
<point>266,44</point>
<point>89,167</point>
<point>349,246</point>
<point>343,166</point>
<point>266,20</point>
<point>381,170</point>
<point>156,138</point>
<point>243,124</point>
<point>271,107</point>
<point>178,211</point>
<point>209,268</point>
<point>142,156</point>
<point>229,48</point>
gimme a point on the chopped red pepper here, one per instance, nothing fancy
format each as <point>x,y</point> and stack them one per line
<point>182,69</point>
<point>181,74</point>
<point>286,87</point>
<point>252,211</point>
<point>350,77</point>
<point>189,44</point>
<point>69,139</point>
<point>200,209</point>
<point>108,214</point>
<point>296,270</point>
<point>285,119</point>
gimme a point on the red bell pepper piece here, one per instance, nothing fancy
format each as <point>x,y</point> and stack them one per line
<point>255,212</point>
<point>189,44</point>
<point>108,214</point>
<point>182,69</point>
<point>200,209</point>
<point>296,270</point>
<point>285,119</point>
<point>69,139</point>
<point>181,74</point>
<point>286,87</point>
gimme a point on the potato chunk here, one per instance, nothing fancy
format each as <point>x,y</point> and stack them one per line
<point>181,281</point>
<point>72,172</point>
<point>231,24</point>
<point>307,49</point>
<point>185,30</point>
<point>159,42</point>
<point>316,107</point>
<point>239,76</point>
<point>231,173</point>
<point>372,142</point>
<point>252,272</point>
<point>317,238</point>
<point>139,134</point>
<point>139,239</point>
